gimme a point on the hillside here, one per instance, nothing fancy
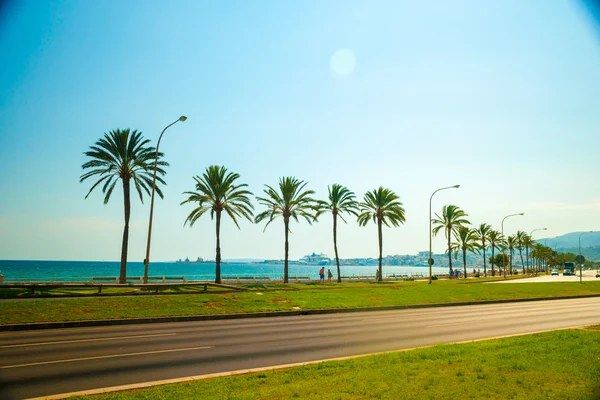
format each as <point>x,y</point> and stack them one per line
<point>569,243</point>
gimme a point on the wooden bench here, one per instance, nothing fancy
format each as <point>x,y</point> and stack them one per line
<point>299,279</point>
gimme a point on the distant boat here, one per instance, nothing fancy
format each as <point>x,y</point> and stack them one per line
<point>315,259</point>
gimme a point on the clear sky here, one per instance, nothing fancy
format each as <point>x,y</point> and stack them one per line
<point>501,97</point>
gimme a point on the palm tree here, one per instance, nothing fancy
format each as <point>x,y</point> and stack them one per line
<point>528,242</point>
<point>217,191</point>
<point>341,200</point>
<point>496,241</point>
<point>383,207</point>
<point>482,235</point>
<point>292,201</point>
<point>124,155</point>
<point>511,243</point>
<point>452,218</point>
<point>520,239</point>
<point>466,240</point>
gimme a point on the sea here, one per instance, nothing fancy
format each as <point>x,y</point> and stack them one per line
<point>81,271</point>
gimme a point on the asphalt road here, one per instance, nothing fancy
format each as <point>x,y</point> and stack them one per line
<point>38,363</point>
<point>589,275</point>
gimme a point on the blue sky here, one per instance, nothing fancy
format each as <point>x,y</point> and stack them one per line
<point>499,97</point>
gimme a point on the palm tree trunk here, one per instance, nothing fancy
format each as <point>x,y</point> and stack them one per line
<point>510,260</point>
<point>449,251</point>
<point>125,242</point>
<point>527,258</point>
<point>493,271</point>
<point>287,252</point>
<point>218,257</point>
<point>337,259</point>
<point>465,261</point>
<point>379,232</point>
<point>522,263</point>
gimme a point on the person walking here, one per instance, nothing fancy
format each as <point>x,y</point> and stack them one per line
<point>329,275</point>
<point>322,274</point>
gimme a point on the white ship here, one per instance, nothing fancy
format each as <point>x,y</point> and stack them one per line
<point>315,259</point>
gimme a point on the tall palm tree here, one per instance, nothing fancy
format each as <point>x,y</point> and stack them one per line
<point>511,244</point>
<point>124,155</point>
<point>520,239</point>
<point>451,220</point>
<point>341,200</point>
<point>466,240</point>
<point>495,240</point>
<point>483,236</point>
<point>384,208</point>
<point>217,191</point>
<point>292,201</point>
<point>528,243</point>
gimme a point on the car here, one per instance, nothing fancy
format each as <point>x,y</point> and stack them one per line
<point>554,272</point>
<point>598,274</point>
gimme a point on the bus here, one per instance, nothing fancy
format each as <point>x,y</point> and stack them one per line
<point>569,269</point>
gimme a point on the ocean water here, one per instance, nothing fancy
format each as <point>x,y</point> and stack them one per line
<point>77,271</point>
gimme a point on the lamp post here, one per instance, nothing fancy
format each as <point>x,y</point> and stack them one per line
<point>147,259</point>
<point>504,247</point>
<point>430,261</point>
<point>556,251</point>
<point>530,234</point>
<point>538,229</point>
<point>581,264</point>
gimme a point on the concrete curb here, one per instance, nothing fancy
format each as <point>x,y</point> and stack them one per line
<point>187,318</point>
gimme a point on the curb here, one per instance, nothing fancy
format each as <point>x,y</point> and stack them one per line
<point>188,318</point>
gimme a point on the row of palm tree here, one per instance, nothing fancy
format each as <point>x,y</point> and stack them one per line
<point>453,221</point>
<point>124,155</point>
<point>216,191</point>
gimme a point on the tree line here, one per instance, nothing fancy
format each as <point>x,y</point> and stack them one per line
<point>125,156</point>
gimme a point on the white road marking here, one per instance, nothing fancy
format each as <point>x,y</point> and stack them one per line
<point>86,340</point>
<point>101,357</point>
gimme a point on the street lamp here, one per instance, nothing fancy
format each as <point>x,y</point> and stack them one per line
<point>504,247</point>
<point>581,264</point>
<point>538,229</point>
<point>430,261</point>
<point>147,259</point>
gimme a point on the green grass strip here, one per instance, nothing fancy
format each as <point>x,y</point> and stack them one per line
<point>553,365</point>
<point>306,297</point>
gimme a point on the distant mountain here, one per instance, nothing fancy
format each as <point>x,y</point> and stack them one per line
<point>569,243</point>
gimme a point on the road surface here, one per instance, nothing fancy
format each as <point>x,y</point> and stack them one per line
<point>38,363</point>
<point>589,275</point>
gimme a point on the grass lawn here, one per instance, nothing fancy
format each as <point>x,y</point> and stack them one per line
<point>279,298</point>
<point>554,365</point>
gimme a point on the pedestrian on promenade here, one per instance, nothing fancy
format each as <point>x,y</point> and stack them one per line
<point>322,274</point>
<point>329,275</point>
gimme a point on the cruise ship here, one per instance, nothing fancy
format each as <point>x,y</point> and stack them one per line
<point>315,259</point>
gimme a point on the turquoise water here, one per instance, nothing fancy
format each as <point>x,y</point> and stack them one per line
<point>83,270</point>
